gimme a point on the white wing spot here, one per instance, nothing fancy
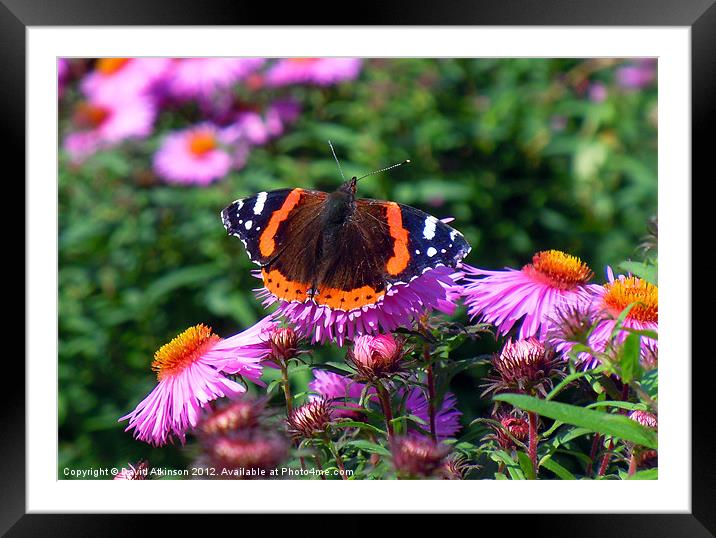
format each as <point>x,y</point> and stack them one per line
<point>260,201</point>
<point>248,224</point>
<point>443,250</point>
<point>417,252</point>
<point>431,252</point>
<point>452,235</point>
<point>429,230</point>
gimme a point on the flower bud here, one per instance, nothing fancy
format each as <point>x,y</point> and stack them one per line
<point>376,357</point>
<point>309,420</point>
<point>418,456</point>
<point>240,414</point>
<point>284,344</point>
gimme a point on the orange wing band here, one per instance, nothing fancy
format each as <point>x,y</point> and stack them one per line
<point>401,257</point>
<point>288,290</point>
<point>267,245</point>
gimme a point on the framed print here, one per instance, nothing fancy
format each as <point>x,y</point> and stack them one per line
<point>405,266</point>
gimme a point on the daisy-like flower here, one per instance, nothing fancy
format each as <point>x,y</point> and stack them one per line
<point>611,299</point>
<point>123,78</point>
<point>447,418</point>
<point>310,420</point>
<point>101,123</point>
<point>319,71</point>
<point>397,308</point>
<point>525,366</point>
<point>138,471</point>
<point>201,78</point>
<point>529,295</point>
<point>190,372</point>
<point>339,390</point>
<point>192,156</point>
<point>417,457</point>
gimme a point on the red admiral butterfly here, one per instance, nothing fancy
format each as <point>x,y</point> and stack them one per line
<point>338,250</point>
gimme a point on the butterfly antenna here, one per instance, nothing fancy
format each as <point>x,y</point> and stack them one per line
<point>406,161</point>
<point>336,158</point>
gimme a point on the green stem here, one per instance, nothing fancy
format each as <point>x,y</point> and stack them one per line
<point>385,402</point>
<point>533,440</point>
<point>336,455</point>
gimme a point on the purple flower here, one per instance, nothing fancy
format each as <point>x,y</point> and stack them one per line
<point>598,92</point>
<point>190,372</point>
<point>637,75</point>
<point>340,390</point>
<point>529,295</point>
<point>397,308</point>
<point>320,71</point>
<point>447,418</point>
<point>192,156</point>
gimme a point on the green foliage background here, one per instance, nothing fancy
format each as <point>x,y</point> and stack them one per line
<point>514,149</point>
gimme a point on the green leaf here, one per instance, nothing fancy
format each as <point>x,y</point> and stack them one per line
<point>360,425</point>
<point>557,469</point>
<point>629,353</point>
<point>646,474</point>
<point>511,465</point>
<point>526,465</point>
<point>373,448</point>
<point>596,421</point>
<point>645,271</point>
<point>650,383</point>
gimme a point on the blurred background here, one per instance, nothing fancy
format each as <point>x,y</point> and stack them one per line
<point>526,154</point>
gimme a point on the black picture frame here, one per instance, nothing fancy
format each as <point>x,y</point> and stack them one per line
<point>700,15</point>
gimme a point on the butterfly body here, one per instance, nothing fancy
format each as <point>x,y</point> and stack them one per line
<point>338,250</point>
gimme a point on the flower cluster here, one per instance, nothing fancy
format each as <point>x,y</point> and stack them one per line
<point>123,98</point>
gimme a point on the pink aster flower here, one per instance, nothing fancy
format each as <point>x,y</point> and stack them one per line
<point>120,78</point>
<point>102,123</point>
<point>190,372</point>
<point>447,418</point>
<point>401,304</point>
<point>529,295</point>
<point>256,129</point>
<point>192,156</point>
<point>340,390</point>
<point>611,299</point>
<point>201,78</point>
<point>320,71</point>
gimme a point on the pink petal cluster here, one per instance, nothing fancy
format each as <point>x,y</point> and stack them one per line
<point>193,156</point>
<point>398,308</point>
<point>202,78</point>
<point>134,77</point>
<point>319,71</point>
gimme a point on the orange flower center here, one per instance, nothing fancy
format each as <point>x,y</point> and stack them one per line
<point>109,66</point>
<point>89,115</point>
<point>202,142</point>
<point>623,292</point>
<point>559,270</point>
<point>183,351</point>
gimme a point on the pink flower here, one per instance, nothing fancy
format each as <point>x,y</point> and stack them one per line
<point>140,471</point>
<point>447,417</point>
<point>104,122</point>
<point>201,78</point>
<point>637,75</point>
<point>253,128</point>
<point>401,304</point>
<point>122,78</point>
<point>340,390</point>
<point>192,156</point>
<point>63,72</point>
<point>320,71</point>
<point>530,294</point>
<point>190,372</point>
<point>611,299</point>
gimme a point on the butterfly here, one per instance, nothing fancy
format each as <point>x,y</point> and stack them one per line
<point>337,250</point>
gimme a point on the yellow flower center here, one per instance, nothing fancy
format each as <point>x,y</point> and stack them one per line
<point>304,61</point>
<point>559,270</point>
<point>90,116</point>
<point>109,66</point>
<point>623,292</point>
<point>201,142</point>
<point>182,351</point>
